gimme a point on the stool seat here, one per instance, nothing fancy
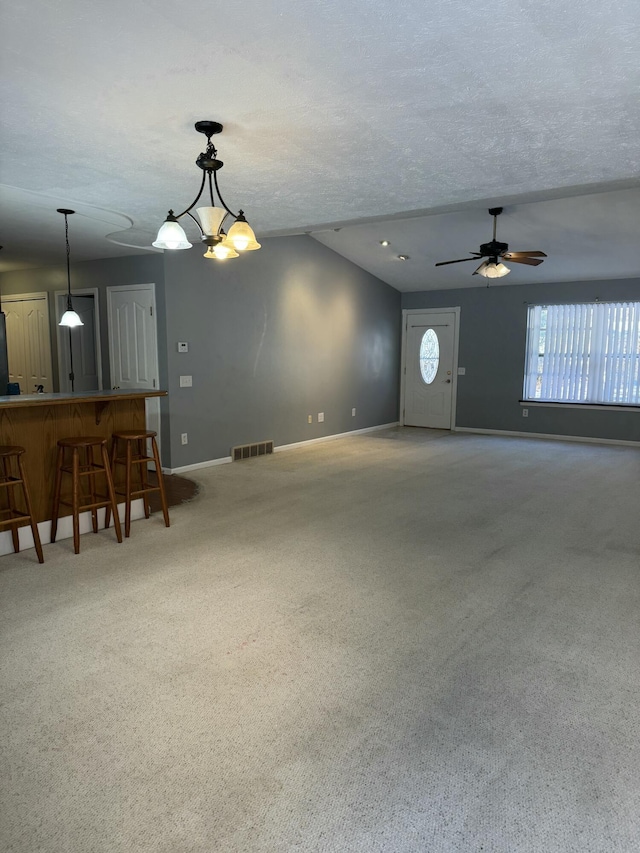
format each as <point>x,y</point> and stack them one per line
<point>11,450</point>
<point>134,434</point>
<point>135,455</point>
<point>82,441</point>
<point>87,468</point>
<point>16,517</point>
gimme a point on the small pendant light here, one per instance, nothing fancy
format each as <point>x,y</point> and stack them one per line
<point>69,318</point>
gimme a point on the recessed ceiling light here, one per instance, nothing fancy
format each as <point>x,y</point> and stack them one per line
<point>403,257</point>
<point>384,243</point>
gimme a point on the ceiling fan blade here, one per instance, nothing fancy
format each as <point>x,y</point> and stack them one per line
<point>459,261</point>
<point>511,255</point>
<point>533,262</point>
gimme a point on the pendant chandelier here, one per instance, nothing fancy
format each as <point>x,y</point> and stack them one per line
<point>69,318</point>
<point>220,245</point>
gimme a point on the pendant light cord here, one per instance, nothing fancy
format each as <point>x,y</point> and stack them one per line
<point>69,306</point>
<point>66,237</point>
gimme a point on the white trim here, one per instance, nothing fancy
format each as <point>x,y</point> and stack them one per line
<point>65,528</point>
<point>553,436</point>
<point>606,407</point>
<point>81,291</point>
<point>406,312</point>
<point>224,459</point>
<point>22,297</point>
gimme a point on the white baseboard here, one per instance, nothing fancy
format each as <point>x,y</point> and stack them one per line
<point>224,459</point>
<point>550,435</point>
<point>65,528</point>
<point>208,464</point>
<point>333,437</point>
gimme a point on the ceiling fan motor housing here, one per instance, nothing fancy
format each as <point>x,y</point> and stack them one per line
<point>495,247</point>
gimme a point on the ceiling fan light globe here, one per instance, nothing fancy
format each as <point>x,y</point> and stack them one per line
<point>492,270</point>
<point>171,236</point>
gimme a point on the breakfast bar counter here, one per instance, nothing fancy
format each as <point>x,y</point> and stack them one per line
<point>38,421</point>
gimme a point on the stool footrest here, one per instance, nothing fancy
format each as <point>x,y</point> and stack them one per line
<point>13,516</point>
<point>81,507</point>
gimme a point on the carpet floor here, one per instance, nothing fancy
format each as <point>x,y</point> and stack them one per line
<point>407,641</point>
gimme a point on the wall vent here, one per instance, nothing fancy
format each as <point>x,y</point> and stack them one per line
<point>248,451</point>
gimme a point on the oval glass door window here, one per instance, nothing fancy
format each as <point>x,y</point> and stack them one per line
<point>429,356</point>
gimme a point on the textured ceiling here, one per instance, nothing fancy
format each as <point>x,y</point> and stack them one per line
<point>334,113</point>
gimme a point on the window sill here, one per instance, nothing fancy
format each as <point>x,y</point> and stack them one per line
<point>596,407</point>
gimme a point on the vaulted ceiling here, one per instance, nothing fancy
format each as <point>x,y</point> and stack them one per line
<point>399,121</point>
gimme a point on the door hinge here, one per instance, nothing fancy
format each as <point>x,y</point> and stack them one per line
<point>151,309</point>
<point>154,383</point>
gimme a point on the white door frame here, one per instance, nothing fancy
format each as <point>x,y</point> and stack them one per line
<point>83,291</point>
<point>149,401</point>
<point>406,312</point>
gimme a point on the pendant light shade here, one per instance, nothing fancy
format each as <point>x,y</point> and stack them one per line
<point>220,246</point>
<point>71,319</point>
<point>171,235</point>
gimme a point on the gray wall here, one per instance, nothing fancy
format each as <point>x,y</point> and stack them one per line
<point>275,335</point>
<point>493,328</point>
<point>134,269</point>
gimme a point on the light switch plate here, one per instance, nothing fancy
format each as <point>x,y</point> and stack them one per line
<point>186,381</point>
<point>461,371</point>
<point>183,346</point>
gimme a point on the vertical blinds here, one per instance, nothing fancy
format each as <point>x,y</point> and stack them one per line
<point>585,353</point>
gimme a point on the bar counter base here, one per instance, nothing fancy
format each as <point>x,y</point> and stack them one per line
<point>65,529</point>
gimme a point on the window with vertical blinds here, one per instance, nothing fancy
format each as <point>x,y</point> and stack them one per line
<point>584,353</point>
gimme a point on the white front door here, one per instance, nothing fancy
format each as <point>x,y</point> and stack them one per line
<point>133,349</point>
<point>430,362</point>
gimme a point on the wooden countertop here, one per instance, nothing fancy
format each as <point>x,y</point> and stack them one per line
<point>16,401</point>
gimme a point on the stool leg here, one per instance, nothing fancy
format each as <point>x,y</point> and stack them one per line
<point>127,491</point>
<point>144,481</point>
<point>56,494</point>
<point>92,489</point>
<point>32,521</point>
<point>163,497</point>
<point>12,504</point>
<point>112,468</point>
<point>111,492</point>
<point>75,499</point>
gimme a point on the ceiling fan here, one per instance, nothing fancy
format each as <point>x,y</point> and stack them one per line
<point>496,252</point>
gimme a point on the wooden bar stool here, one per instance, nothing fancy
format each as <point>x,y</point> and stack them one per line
<point>15,517</point>
<point>78,469</point>
<point>135,453</point>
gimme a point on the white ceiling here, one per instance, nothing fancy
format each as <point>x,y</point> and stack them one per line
<point>416,115</point>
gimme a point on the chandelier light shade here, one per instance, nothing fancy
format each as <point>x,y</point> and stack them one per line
<point>69,318</point>
<point>220,245</point>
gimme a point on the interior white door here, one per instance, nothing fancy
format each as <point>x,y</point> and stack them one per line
<point>28,341</point>
<point>82,342</point>
<point>133,349</point>
<point>429,364</point>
